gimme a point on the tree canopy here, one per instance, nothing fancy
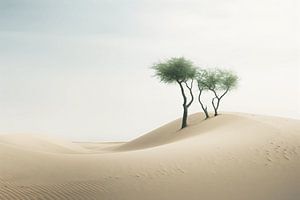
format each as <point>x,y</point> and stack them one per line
<point>217,79</point>
<point>175,70</point>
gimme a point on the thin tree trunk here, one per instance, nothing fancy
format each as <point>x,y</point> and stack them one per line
<point>202,105</point>
<point>215,106</point>
<point>191,92</point>
<point>184,117</point>
<point>185,108</point>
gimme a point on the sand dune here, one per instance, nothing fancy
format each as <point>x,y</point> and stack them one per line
<point>41,143</point>
<point>230,157</point>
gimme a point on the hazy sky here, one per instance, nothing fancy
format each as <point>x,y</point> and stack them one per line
<point>80,69</point>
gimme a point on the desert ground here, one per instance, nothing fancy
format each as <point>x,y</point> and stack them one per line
<point>233,156</point>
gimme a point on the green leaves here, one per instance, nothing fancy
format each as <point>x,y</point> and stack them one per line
<point>228,79</point>
<point>216,79</point>
<point>179,69</point>
<point>175,70</point>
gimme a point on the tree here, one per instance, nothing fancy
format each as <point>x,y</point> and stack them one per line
<point>201,81</point>
<point>180,71</point>
<point>220,82</point>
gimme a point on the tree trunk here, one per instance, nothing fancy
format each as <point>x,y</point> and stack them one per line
<point>215,106</point>
<point>206,113</point>
<point>202,105</point>
<point>185,107</point>
<point>184,117</point>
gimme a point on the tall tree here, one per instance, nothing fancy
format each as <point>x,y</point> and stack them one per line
<point>220,82</point>
<point>201,82</point>
<point>180,71</point>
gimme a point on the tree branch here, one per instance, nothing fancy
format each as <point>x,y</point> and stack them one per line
<point>191,92</point>
<point>215,93</point>
<point>182,92</point>
<point>224,93</point>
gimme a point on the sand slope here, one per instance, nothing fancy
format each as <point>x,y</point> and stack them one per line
<point>41,143</point>
<point>230,157</point>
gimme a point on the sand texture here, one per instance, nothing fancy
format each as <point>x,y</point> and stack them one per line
<point>230,157</point>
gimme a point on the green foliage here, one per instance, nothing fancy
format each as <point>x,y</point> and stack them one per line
<point>216,79</point>
<point>201,78</point>
<point>175,70</point>
<point>180,70</point>
<point>228,79</point>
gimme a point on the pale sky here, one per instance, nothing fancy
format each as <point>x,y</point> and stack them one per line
<point>80,69</point>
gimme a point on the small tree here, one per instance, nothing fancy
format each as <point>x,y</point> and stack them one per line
<point>180,71</point>
<point>220,81</point>
<point>201,80</point>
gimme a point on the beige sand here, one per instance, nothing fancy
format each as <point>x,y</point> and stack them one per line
<point>230,157</point>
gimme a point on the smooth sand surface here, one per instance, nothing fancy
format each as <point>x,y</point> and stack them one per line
<point>229,157</point>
